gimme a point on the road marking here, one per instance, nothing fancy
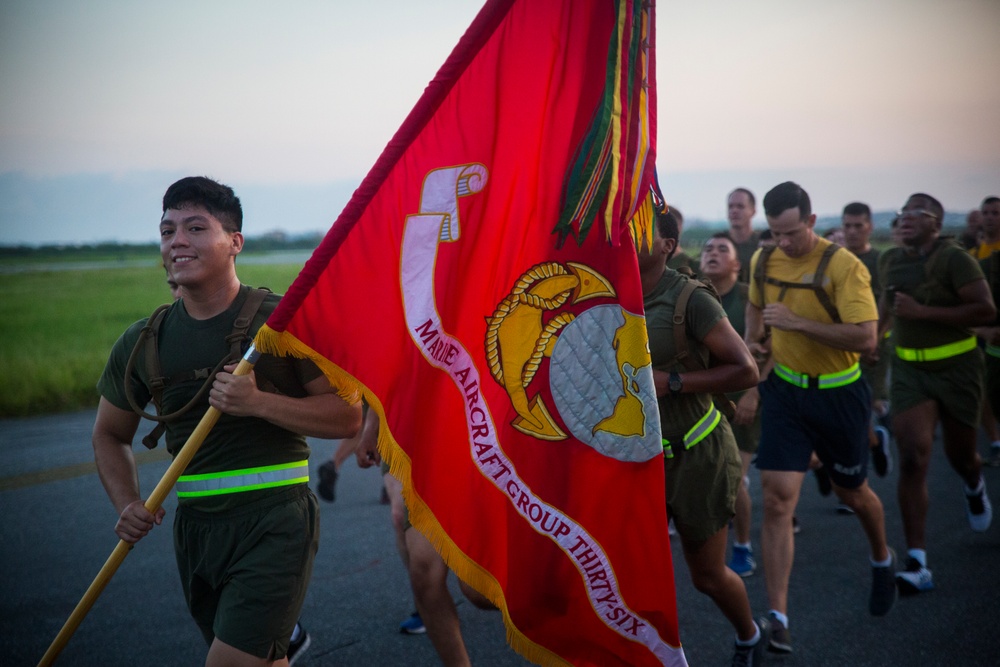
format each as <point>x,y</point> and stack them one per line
<point>71,471</point>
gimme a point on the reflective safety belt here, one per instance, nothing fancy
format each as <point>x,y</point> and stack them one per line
<point>828,381</point>
<point>247,479</point>
<point>993,350</point>
<point>937,353</point>
<point>697,433</point>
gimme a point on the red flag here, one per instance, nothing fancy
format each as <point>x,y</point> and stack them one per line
<point>498,332</point>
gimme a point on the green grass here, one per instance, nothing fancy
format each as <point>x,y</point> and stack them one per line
<point>57,328</point>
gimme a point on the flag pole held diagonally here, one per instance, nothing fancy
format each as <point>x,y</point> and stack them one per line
<point>153,503</point>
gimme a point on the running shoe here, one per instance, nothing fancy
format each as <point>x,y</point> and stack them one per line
<point>881,454</point>
<point>742,562</point>
<point>796,526</point>
<point>780,640</point>
<point>914,579</point>
<point>883,595</point>
<point>413,625</point>
<point>844,509</point>
<point>298,646</point>
<point>753,656</point>
<point>980,511</point>
<point>993,460</point>
<point>327,487</point>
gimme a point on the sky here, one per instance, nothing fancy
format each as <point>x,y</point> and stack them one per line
<point>104,103</point>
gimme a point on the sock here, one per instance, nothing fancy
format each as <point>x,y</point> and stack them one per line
<point>296,631</point>
<point>919,555</point>
<point>742,545</point>
<point>781,617</point>
<point>979,488</point>
<point>881,563</point>
<point>753,640</point>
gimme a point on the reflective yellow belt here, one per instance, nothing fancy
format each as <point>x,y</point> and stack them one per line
<point>828,381</point>
<point>697,433</point>
<point>247,479</point>
<point>993,350</point>
<point>937,353</point>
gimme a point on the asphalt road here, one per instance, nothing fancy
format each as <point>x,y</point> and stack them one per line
<point>56,533</point>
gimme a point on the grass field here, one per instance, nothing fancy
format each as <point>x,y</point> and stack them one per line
<point>58,326</point>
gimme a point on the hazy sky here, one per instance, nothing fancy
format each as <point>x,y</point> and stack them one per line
<point>854,99</point>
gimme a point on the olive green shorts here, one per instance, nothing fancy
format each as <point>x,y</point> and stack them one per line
<point>702,483</point>
<point>245,572</point>
<point>955,384</point>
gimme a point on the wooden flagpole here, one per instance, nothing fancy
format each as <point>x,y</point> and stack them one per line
<point>153,503</point>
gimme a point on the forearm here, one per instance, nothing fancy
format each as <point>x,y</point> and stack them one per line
<point>859,338</point>
<point>318,416</point>
<point>117,470</point>
<point>719,379</point>
<point>964,315</point>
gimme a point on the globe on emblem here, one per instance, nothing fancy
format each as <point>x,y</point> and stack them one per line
<point>602,384</point>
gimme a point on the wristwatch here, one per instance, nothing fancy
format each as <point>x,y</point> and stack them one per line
<point>674,384</point>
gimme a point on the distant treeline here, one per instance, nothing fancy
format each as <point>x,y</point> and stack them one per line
<point>124,251</point>
<point>695,232</point>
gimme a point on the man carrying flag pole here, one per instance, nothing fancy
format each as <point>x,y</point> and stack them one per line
<point>508,362</point>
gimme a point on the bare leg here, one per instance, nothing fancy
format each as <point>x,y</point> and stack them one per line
<point>744,504</point>
<point>706,561</point>
<point>781,496</point>
<point>960,448</point>
<point>914,429</point>
<point>221,654</point>
<point>394,489</point>
<point>429,579</point>
<point>868,508</point>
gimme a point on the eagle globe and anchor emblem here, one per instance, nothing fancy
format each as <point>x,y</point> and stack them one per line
<point>600,375</point>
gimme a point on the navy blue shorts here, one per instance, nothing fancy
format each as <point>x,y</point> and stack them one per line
<point>832,422</point>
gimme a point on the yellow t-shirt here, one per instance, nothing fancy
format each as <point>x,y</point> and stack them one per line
<point>848,283</point>
<point>984,250</point>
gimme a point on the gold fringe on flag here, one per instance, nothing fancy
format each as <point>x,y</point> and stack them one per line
<point>269,341</point>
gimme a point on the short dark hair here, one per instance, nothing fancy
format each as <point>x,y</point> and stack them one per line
<point>989,200</point>
<point>666,224</point>
<point>858,208</point>
<point>936,207</point>
<point>784,196</point>
<point>723,235</point>
<point>753,200</point>
<point>214,197</point>
<point>678,216</point>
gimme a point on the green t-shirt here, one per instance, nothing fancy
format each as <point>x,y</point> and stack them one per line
<point>679,413</point>
<point>933,280</point>
<point>235,443</point>
<point>870,260</point>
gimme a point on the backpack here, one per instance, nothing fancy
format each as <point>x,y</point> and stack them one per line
<point>682,353</point>
<point>760,277</point>
<point>147,344</point>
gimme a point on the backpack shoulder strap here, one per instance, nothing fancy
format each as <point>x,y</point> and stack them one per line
<point>817,283</point>
<point>243,321</point>
<point>760,271</point>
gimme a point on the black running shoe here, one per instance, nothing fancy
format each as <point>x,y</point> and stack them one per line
<point>327,487</point>
<point>881,454</point>
<point>883,595</point>
<point>753,656</point>
<point>780,640</point>
<point>298,647</point>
